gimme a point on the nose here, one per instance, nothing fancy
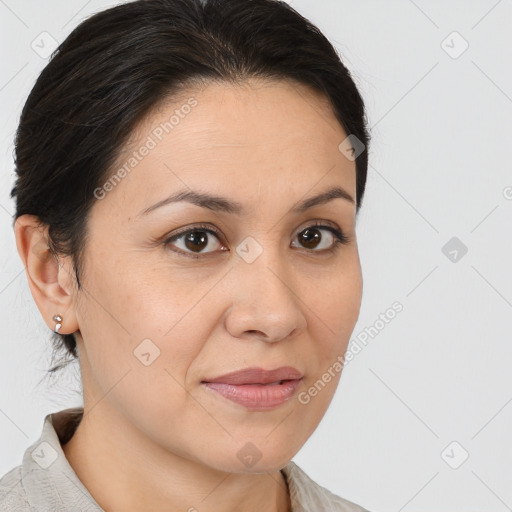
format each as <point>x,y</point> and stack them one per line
<point>264,302</point>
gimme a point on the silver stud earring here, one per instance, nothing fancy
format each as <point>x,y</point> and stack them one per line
<point>58,322</point>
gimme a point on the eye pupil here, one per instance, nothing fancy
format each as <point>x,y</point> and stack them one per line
<point>310,236</point>
<point>196,240</point>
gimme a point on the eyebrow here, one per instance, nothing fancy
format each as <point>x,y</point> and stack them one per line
<point>223,204</point>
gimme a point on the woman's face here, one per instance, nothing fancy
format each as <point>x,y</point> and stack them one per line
<point>251,287</point>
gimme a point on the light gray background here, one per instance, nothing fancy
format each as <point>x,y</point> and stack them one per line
<point>440,168</point>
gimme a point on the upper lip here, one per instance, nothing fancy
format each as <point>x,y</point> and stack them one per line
<point>258,376</point>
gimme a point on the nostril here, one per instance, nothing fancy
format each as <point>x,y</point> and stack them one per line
<point>253,331</point>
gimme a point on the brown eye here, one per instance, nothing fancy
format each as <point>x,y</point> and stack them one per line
<point>318,238</point>
<point>310,238</point>
<point>195,242</point>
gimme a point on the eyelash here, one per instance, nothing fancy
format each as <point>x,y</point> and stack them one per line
<point>340,238</point>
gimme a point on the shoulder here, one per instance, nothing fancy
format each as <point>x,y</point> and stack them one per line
<point>12,492</point>
<point>306,494</point>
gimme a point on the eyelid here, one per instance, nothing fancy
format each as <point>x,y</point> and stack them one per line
<point>193,227</point>
<point>336,231</point>
<point>340,237</point>
<point>208,228</point>
<point>312,223</point>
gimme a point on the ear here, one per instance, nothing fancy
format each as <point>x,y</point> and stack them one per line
<point>51,280</point>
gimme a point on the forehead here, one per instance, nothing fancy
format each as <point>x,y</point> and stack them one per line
<point>253,137</point>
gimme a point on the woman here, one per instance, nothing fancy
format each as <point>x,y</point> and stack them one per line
<point>188,178</point>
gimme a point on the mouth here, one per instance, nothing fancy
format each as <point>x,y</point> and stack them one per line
<point>258,376</point>
<point>255,388</point>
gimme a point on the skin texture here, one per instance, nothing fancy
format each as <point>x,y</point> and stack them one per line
<point>152,437</point>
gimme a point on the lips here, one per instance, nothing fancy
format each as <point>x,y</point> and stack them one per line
<point>258,376</point>
<point>255,388</point>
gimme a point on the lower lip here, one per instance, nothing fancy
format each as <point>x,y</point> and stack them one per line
<point>259,397</point>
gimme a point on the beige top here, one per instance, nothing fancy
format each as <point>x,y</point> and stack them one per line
<point>45,481</point>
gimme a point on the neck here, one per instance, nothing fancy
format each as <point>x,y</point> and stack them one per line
<point>125,470</point>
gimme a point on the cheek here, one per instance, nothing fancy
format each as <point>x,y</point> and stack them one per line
<point>140,348</point>
<point>144,321</point>
<point>137,298</point>
<point>336,303</point>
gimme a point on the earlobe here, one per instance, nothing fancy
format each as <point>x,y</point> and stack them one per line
<point>42,270</point>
